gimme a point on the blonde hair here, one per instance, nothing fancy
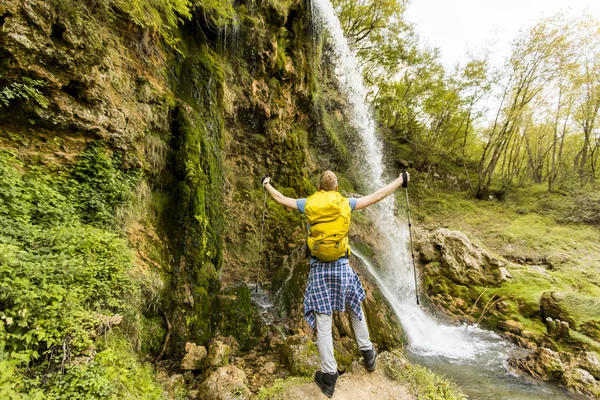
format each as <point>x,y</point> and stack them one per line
<point>328,181</point>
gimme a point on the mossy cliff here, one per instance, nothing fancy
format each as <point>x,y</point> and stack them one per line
<point>132,141</point>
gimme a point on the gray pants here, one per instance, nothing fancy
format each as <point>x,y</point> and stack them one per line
<point>325,339</point>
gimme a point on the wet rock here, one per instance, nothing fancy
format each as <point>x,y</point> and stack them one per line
<point>226,383</point>
<point>520,341</point>
<point>581,381</point>
<point>510,326</point>
<point>193,358</point>
<point>543,363</point>
<point>466,263</point>
<point>528,334</point>
<point>551,305</point>
<point>429,253</point>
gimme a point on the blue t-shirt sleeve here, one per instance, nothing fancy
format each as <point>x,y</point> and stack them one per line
<point>301,203</point>
<point>352,202</point>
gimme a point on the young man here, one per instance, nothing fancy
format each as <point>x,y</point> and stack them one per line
<point>332,283</point>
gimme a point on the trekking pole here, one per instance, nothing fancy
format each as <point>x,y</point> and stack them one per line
<point>412,251</point>
<point>262,230</point>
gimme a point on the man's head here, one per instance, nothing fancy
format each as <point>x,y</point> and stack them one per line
<point>328,181</point>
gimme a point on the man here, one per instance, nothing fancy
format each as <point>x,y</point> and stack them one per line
<point>332,283</point>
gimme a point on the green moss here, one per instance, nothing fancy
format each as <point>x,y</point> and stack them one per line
<point>423,383</point>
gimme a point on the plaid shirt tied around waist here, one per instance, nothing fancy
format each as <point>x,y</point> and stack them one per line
<point>330,287</point>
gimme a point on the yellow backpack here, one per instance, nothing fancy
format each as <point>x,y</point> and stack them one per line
<point>328,213</point>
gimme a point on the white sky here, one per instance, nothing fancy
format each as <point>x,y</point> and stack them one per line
<point>455,26</point>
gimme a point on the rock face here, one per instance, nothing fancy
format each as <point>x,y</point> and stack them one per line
<point>589,361</point>
<point>510,326</point>
<point>461,260</point>
<point>194,355</point>
<point>226,383</point>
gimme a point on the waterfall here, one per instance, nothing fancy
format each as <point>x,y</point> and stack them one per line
<point>426,336</point>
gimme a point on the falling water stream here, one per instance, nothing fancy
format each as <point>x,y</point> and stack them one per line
<point>473,357</point>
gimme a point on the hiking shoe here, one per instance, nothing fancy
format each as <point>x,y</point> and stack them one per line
<point>370,357</point>
<point>326,382</point>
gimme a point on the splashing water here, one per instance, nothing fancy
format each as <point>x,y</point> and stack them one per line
<point>429,338</point>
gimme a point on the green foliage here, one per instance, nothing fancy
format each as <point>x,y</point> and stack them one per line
<point>423,383</point>
<point>217,13</point>
<point>28,89</point>
<point>62,270</point>
<point>100,187</point>
<point>113,373</point>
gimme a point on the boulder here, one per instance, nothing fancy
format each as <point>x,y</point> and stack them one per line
<point>465,263</point>
<point>590,361</point>
<point>226,383</point>
<point>194,355</point>
<point>543,363</point>
<point>220,350</point>
<point>551,305</point>
<point>300,355</point>
<point>581,381</point>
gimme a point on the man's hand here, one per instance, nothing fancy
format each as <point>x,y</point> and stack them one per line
<point>405,176</point>
<point>266,179</point>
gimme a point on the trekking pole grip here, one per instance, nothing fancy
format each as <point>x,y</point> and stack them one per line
<point>404,179</point>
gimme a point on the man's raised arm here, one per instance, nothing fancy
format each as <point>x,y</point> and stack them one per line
<point>380,194</point>
<point>277,196</point>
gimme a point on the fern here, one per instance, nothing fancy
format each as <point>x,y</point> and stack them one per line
<point>27,90</point>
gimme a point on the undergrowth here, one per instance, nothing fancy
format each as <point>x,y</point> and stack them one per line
<point>64,270</point>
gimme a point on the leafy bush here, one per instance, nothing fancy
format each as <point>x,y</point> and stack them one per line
<point>62,271</point>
